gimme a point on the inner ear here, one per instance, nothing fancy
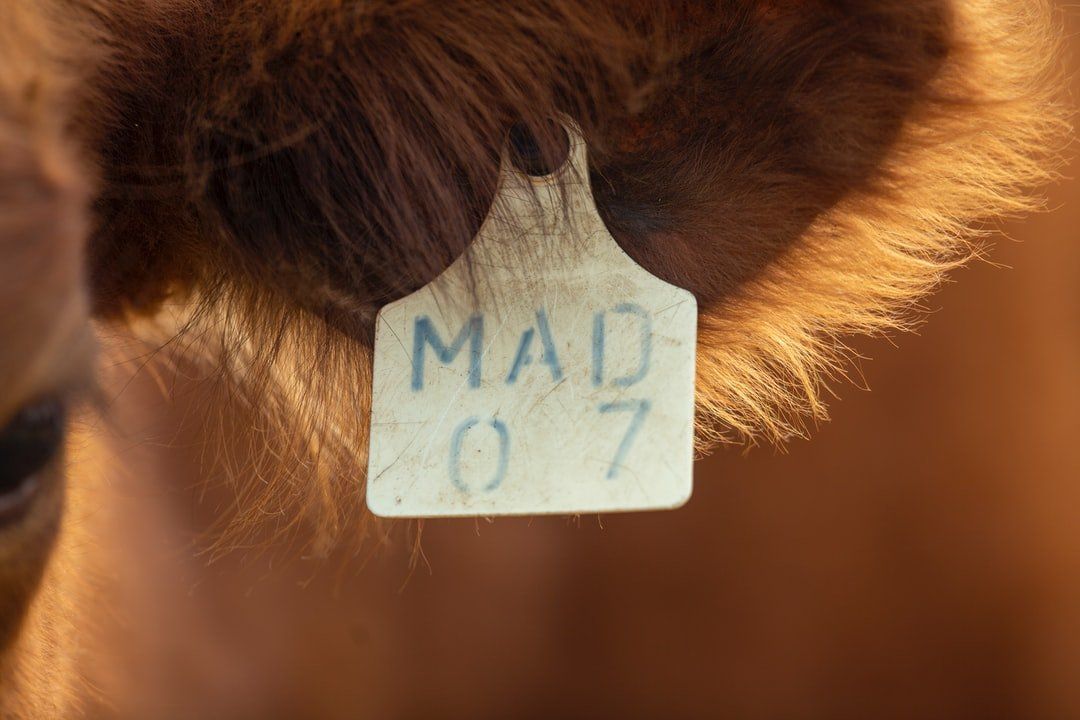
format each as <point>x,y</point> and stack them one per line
<point>350,176</point>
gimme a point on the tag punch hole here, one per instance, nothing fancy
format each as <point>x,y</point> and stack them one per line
<point>542,153</point>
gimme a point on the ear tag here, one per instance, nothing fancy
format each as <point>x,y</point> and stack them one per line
<point>543,372</point>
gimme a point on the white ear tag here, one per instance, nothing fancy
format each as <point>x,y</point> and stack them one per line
<point>543,372</point>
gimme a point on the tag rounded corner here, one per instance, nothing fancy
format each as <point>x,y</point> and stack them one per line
<point>682,499</point>
<point>375,506</point>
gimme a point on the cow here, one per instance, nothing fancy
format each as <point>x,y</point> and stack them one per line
<point>203,206</point>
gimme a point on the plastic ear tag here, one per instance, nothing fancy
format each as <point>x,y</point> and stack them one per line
<point>543,372</point>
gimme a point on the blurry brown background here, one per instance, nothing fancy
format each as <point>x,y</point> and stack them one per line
<point>919,557</point>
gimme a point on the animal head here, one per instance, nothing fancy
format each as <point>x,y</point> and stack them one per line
<point>240,186</point>
<point>46,351</point>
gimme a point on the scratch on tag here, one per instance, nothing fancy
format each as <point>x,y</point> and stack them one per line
<point>578,392</point>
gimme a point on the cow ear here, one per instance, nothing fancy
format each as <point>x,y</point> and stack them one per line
<point>281,170</point>
<point>808,171</point>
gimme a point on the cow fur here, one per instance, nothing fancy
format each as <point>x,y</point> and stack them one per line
<point>248,182</point>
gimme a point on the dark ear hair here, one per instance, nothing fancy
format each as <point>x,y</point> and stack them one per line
<point>806,170</point>
<point>353,152</point>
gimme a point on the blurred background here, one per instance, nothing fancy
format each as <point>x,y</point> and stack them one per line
<point>918,557</point>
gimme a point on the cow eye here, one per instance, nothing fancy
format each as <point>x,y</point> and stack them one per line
<point>28,443</point>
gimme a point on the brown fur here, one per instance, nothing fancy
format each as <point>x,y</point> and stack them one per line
<point>806,174</point>
<point>267,175</point>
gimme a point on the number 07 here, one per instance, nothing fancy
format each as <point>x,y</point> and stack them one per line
<point>640,409</point>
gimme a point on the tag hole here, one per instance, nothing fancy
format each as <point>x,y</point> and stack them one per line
<point>538,151</point>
